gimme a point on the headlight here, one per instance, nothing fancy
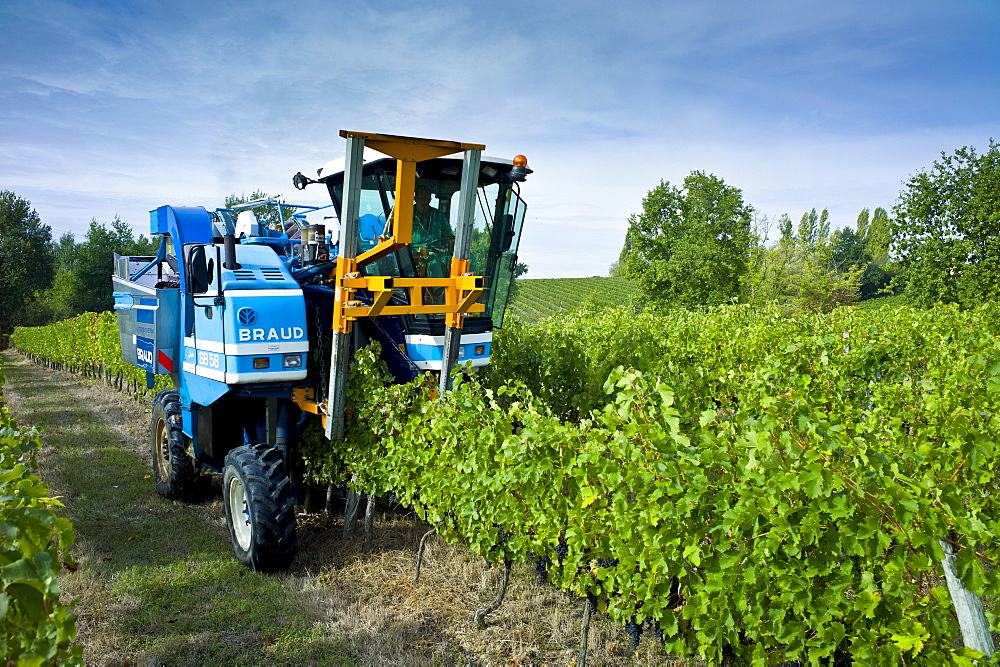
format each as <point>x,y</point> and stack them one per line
<point>292,361</point>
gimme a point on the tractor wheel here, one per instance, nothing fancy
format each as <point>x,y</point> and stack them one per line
<point>260,507</point>
<point>173,468</point>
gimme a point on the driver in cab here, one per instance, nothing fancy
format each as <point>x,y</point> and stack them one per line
<point>433,238</point>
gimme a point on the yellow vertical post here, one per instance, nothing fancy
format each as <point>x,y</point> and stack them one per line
<point>402,212</point>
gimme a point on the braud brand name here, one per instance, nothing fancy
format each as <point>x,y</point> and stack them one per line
<point>283,333</point>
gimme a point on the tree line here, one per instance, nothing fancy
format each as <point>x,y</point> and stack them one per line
<point>696,244</point>
<point>701,244</point>
<point>43,280</point>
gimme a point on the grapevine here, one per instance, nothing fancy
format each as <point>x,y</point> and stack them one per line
<point>782,478</point>
<point>755,474</point>
<point>36,626</point>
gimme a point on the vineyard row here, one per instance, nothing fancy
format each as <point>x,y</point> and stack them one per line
<point>35,626</point>
<point>739,482</point>
<point>736,481</point>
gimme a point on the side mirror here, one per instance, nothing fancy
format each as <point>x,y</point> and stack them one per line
<point>195,269</point>
<point>508,233</point>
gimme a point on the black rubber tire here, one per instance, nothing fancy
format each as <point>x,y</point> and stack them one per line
<point>257,492</point>
<point>174,471</point>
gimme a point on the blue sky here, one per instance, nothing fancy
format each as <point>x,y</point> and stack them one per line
<point>116,107</point>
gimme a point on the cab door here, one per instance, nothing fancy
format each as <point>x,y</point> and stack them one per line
<point>204,348</point>
<point>509,231</point>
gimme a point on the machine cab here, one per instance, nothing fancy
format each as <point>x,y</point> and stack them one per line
<point>499,215</point>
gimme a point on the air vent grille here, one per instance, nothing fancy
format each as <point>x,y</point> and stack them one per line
<point>245,274</point>
<point>271,273</point>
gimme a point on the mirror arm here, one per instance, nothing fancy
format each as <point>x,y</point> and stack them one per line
<point>218,271</point>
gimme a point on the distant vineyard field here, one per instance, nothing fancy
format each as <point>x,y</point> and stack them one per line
<point>539,297</point>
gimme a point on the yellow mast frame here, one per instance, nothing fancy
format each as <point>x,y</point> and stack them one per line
<point>462,289</point>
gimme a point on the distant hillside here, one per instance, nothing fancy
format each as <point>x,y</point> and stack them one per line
<point>539,297</point>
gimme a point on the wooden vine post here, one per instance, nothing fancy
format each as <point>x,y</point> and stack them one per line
<point>968,606</point>
<point>351,513</point>
<point>369,524</point>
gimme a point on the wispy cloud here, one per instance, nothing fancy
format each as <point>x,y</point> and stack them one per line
<point>118,107</point>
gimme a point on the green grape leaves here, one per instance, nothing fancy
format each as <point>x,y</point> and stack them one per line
<point>740,477</point>
<point>35,626</point>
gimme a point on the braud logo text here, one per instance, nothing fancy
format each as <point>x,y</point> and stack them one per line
<point>284,333</point>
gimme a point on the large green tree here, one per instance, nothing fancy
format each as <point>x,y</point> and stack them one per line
<point>849,253</point>
<point>55,302</point>
<point>690,245</point>
<point>26,265</point>
<point>945,231</point>
<point>873,231</point>
<point>814,230</point>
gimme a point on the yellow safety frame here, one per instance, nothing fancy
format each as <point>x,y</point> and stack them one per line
<point>461,288</point>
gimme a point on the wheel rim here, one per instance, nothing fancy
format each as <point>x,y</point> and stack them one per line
<point>163,449</point>
<point>239,512</point>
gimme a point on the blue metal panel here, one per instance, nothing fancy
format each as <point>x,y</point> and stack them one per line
<point>274,326</point>
<point>144,353</point>
<point>433,352</point>
<point>187,422</point>
<point>202,390</point>
<point>424,352</point>
<point>265,319</point>
<point>208,323</point>
<point>260,268</point>
<point>184,224</point>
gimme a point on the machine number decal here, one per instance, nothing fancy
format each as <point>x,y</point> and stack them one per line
<point>208,359</point>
